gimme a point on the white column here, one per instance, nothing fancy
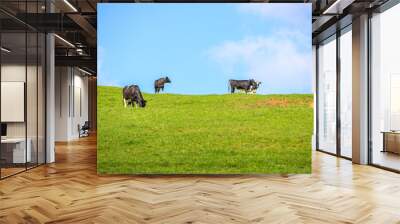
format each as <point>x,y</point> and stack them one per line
<point>50,100</point>
<point>314,61</point>
<point>360,90</point>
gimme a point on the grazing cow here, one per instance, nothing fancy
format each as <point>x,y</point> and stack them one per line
<point>245,85</point>
<point>159,84</point>
<point>131,95</point>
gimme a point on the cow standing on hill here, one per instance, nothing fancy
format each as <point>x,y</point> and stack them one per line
<point>159,84</point>
<point>253,89</point>
<point>131,95</point>
<point>245,85</point>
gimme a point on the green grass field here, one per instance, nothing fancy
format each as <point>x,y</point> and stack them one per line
<point>207,134</point>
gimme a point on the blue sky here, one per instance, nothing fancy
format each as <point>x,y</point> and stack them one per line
<point>201,46</point>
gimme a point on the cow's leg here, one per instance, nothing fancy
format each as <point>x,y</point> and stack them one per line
<point>124,102</point>
<point>247,90</point>
<point>232,89</point>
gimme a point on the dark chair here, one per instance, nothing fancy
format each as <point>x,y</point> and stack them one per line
<point>84,130</point>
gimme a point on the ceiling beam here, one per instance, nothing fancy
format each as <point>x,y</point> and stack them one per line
<point>86,26</point>
<point>81,61</point>
<point>338,6</point>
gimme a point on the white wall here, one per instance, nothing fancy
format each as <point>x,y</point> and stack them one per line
<point>13,101</point>
<point>71,87</point>
<point>62,82</point>
<point>12,73</point>
<point>33,126</point>
<point>81,113</point>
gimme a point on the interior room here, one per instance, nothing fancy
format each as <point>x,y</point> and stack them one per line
<point>28,56</point>
<point>72,102</point>
<point>385,89</point>
<point>22,100</point>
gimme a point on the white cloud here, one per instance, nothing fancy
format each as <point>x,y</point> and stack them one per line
<point>282,12</point>
<point>276,60</point>
<point>103,78</point>
<point>100,60</point>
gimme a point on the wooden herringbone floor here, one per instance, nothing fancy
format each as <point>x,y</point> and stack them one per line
<point>70,191</point>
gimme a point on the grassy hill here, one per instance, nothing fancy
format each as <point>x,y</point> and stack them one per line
<point>202,134</point>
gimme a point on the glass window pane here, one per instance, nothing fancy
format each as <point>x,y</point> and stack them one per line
<point>346,94</point>
<point>327,96</point>
<point>14,153</point>
<point>23,90</point>
<point>386,89</point>
<point>31,97</point>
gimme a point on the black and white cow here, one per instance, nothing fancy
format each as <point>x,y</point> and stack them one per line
<point>253,88</point>
<point>131,95</point>
<point>159,84</point>
<point>245,85</point>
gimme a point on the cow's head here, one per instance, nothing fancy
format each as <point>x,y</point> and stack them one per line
<point>167,80</point>
<point>142,103</point>
<point>254,86</point>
